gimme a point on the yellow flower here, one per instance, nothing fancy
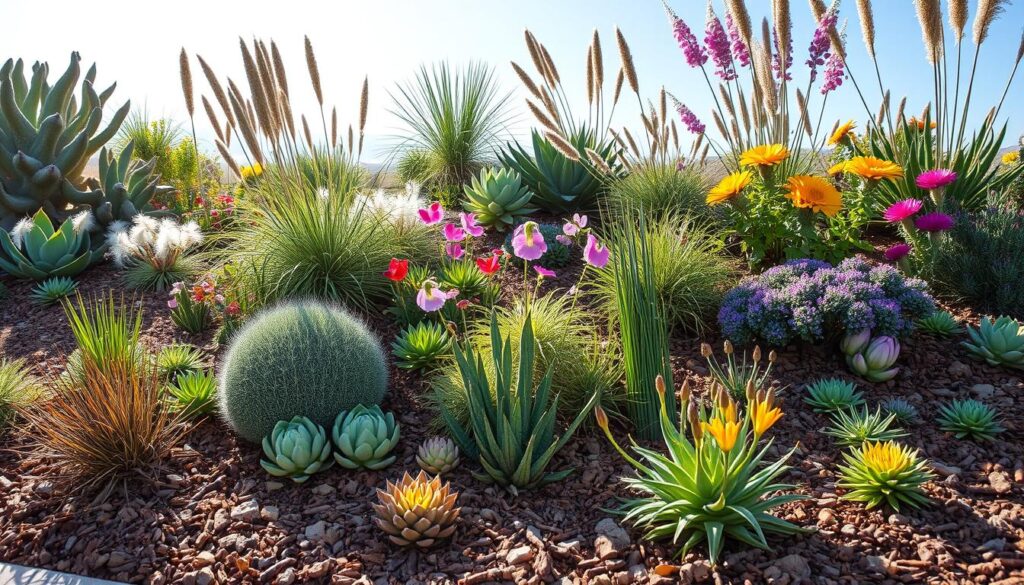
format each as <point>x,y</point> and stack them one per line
<point>886,458</point>
<point>725,433</point>
<point>251,172</point>
<point>815,193</point>
<point>765,155</point>
<point>1011,157</point>
<point>842,132</point>
<point>873,169</point>
<point>837,168</point>
<point>764,415</point>
<point>729,187</point>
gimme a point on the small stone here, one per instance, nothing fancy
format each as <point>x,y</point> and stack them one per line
<point>323,489</point>
<point>983,391</point>
<point>273,485</point>
<point>204,559</point>
<point>1000,482</point>
<point>246,511</point>
<point>875,564</point>
<point>945,470</point>
<point>519,555</point>
<point>848,529</point>
<point>205,576</point>
<point>898,519</point>
<point>5,483</point>
<point>316,531</point>
<point>270,513</point>
<point>612,539</point>
<point>958,369</point>
<point>43,488</point>
<point>794,565</point>
<point>826,516</point>
<point>994,545</point>
<point>286,578</point>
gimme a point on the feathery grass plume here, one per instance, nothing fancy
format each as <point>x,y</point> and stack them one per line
<point>351,139</point>
<point>720,124</point>
<point>218,91</point>
<point>549,105</point>
<point>628,68</point>
<point>549,64</point>
<point>740,16</point>
<point>805,118</point>
<point>279,71</point>
<point>663,104</point>
<point>762,62</point>
<point>527,81</point>
<point>228,129</point>
<point>929,15</point>
<point>632,143</point>
<point>286,112</point>
<point>227,158</point>
<point>744,112</point>
<point>704,154</point>
<point>334,127</point>
<point>364,106</point>
<point>988,11</point>
<point>675,135</point>
<point>619,79</point>
<point>186,81</point>
<point>618,140</point>
<point>882,109</point>
<point>901,109</point>
<point>314,71</point>
<point>535,55</point>
<point>269,82</point>
<point>867,25</point>
<point>736,131</point>
<point>598,161</point>
<point>648,124</point>
<point>306,133</point>
<point>783,28</point>
<point>958,18</point>
<point>598,58</point>
<point>245,122</point>
<point>697,143</point>
<point>562,146</point>
<point>257,91</point>
<point>541,117</point>
<point>590,75</point>
<point>818,9</point>
<point>727,101</point>
<point>212,116</point>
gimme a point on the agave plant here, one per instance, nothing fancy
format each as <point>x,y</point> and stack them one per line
<point>903,411</point>
<point>833,395</point>
<point>970,419</point>
<point>364,437</point>
<point>53,289</point>
<point>296,449</point>
<point>999,342</point>
<point>891,473</point>
<point>871,358</point>
<point>712,487</point>
<point>498,198</point>
<point>437,455</point>
<point>857,426</point>
<point>417,511</point>
<point>178,359</point>
<point>939,323</point>
<point>421,345</point>
<point>194,393</point>
<point>34,249</point>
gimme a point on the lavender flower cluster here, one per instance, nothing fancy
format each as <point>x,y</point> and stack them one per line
<point>810,300</point>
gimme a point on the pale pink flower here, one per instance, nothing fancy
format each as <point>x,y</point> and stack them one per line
<point>594,253</point>
<point>544,272</point>
<point>430,298</point>
<point>454,250</point>
<point>527,241</point>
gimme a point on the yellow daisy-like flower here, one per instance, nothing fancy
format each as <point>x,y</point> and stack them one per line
<point>729,187</point>
<point>886,458</point>
<point>818,194</point>
<point>873,169</point>
<point>837,168</point>
<point>725,433</point>
<point>251,172</point>
<point>1011,157</point>
<point>763,415</point>
<point>841,132</point>
<point>766,155</point>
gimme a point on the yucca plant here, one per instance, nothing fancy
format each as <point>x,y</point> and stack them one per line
<point>194,392</point>
<point>969,419</point>
<point>903,411</point>
<point>511,431</point>
<point>940,324</point>
<point>421,345</point>
<point>854,427</point>
<point>178,359</point>
<point>833,395</point>
<point>53,290</point>
<point>18,387</point>
<point>714,486</point>
<point>890,473</point>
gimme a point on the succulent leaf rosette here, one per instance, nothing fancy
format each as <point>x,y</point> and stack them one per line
<point>417,511</point>
<point>438,455</point>
<point>364,437</point>
<point>871,358</point>
<point>296,449</point>
<point>35,249</point>
<point>999,342</point>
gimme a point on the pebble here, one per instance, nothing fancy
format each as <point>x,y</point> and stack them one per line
<point>316,531</point>
<point>246,511</point>
<point>204,559</point>
<point>958,369</point>
<point>1000,482</point>
<point>270,513</point>
<point>794,565</point>
<point>983,391</point>
<point>695,572</point>
<point>612,539</point>
<point>519,555</point>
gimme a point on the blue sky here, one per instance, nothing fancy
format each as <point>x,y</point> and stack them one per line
<point>388,39</point>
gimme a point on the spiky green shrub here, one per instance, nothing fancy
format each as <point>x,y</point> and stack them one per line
<point>299,359</point>
<point>557,254</point>
<point>53,289</point>
<point>939,323</point>
<point>497,198</point>
<point>903,411</point>
<point>106,331</point>
<point>998,342</point>
<point>464,276</point>
<point>854,427</point>
<point>969,419</point>
<point>18,387</point>
<point>661,189</point>
<point>194,393</point>
<point>421,345</point>
<point>691,272</point>
<point>415,166</point>
<point>178,359</point>
<point>833,395</point>
<point>889,472</point>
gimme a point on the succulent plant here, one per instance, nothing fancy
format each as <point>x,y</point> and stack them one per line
<point>497,198</point>
<point>940,323</point>
<point>417,511</point>
<point>421,345</point>
<point>364,437</point>
<point>969,418</point>
<point>178,359</point>
<point>833,395</point>
<point>871,358</point>
<point>884,472</point>
<point>438,455</point>
<point>296,449</point>
<point>195,393</point>
<point>903,411</point>
<point>34,249</point>
<point>854,427</point>
<point>53,289</point>
<point>999,342</point>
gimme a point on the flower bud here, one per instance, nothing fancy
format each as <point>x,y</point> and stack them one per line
<point>727,347</point>
<point>750,390</point>
<point>684,392</point>
<point>602,418</point>
<point>691,414</point>
<point>757,353</point>
<point>451,328</point>
<point>761,394</point>
<point>705,350</point>
<point>659,385</point>
<point>772,356</point>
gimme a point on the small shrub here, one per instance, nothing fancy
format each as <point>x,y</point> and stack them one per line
<point>178,359</point>
<point>190,309</point>
<point>153,252</point>
<point>903,411</point>
<point>299,359</point>
<point>661,190</point>
<point>969,419</point>
<point>53,289</point>
<point>415,166</point>
<point>421,345</point>
<point>811,301</point>
<point>890,473</point>
<point>833,395</point>
<point>194,392</point>
<point>739,378</point>
<point>17,389</point>
<point>106,331</point>
<point>854,427</point>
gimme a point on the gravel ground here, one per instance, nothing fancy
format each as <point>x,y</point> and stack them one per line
<point>217,517</point>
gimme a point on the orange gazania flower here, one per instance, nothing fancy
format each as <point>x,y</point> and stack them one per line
<point>818,194</point>
<point>729,187</point>
<point>841,132</point>
<point>765,155</point>
<point>873,169</point>
<point>763,415</point>
<point>913,121</point>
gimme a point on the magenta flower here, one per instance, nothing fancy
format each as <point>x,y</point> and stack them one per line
<point>570,229</point>
<point>739,48</point>
<point>717,42</point>
<point>527,241</point>
<point>594,253</point>
<point>902,210</point>
<point>690,120</point>
<point>819,50</point>
<point>453,233</point>
<point>173,303</point>
<point>454,250</point>
<point>544,272</point>
<point>835,73</point>
<point>580,220</point>
<point>430,298</point>
<point>935,178</point>
<point>432,214</point>
<point>695,54</point>
<point>564,239</point>
<point>777,65</point>
<point>897,252</point>
<point>470,225</point>
<point>934,222</point>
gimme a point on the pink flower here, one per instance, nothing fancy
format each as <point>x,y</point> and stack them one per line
<point>432,214</point>
<point>594,253</point>
<point>544,272</point>
<point>173,303</point>
<point>430,298</point>
<point>564,239</point>
<point>717,42</point>
<point>935,178</point>
<point>580,220</point>
<point>739,48</point>
<point>470,226</point>
<point>902,210</point>
<point>897,252</point>
<point>689,119</point>
<point>570,229</point>
<point>461,305</point>
<point>934,222</point>
<point>453,233</point>
<point>695,54</point>
<point>527,241</point>
<point>454,250</point>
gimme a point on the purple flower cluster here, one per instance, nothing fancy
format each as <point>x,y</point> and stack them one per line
<point>835,73</point>
<point>692,50</point>
<point>739,48</point>
<point>690,120</point>
<point>777,66</point>
<point>819,51</point>
<point>812,301</point>
<point>717,42</point>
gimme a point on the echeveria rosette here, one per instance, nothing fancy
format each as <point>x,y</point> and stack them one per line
<point>296,449</point>
<point>364,438</point>
<point>998,342</point>
<point>871,358</point>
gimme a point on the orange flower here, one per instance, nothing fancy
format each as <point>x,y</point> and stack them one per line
<point>764,415</point>
<point>913,121</point>
<point>729,187</point>
<point>815,193</point>
<point>841,133</point>
<point>725,433</point>
<point>873,169</point>
<point>766,155</point>
<point>837,168</point>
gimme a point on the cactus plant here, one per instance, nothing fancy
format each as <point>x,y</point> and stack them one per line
<point>34,249</point>
<point>999,342</point>
<point>46,140</point>
<point>417,511</point>
<point>303,358</point>
<point>437,455</point>
<point>296,449</point>
<point>497,198</point>
<point>364,437</point>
